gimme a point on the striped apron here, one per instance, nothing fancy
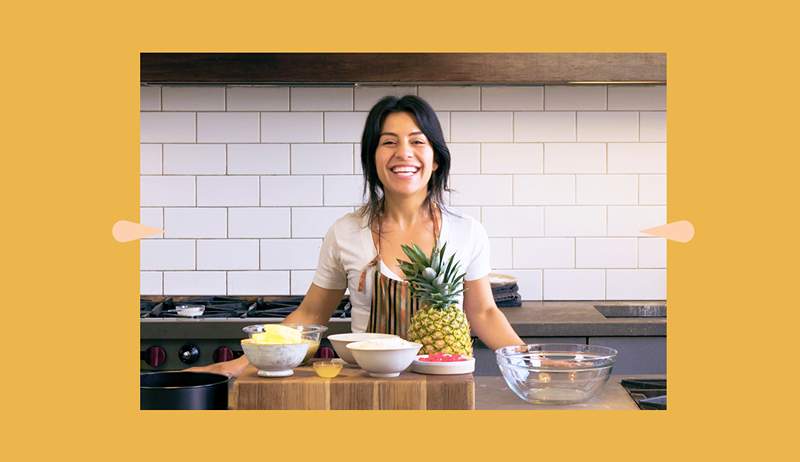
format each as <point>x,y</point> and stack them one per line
<point>392,305</point>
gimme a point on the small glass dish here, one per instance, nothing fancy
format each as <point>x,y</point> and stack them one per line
<point>329,368</point>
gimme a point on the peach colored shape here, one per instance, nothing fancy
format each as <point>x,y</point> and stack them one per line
<point>124,231</point>
<point>681,231</point>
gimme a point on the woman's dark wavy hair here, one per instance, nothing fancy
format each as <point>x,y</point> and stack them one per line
<point>427,121</point>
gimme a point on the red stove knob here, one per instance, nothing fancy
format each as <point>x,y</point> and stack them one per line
<point>154,356</point>
<point>222,354</point>
<point>325,353</point>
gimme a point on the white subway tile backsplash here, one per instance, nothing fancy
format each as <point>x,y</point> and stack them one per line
<point>191,98</point>
<point>150,98</point>
<point>637,158</point>
<point>167,127</point>
<point>653,126</point>
<point>227,191</point>
<point>301,281</point>
<point>291,127</point>
<point>227,127</point>
<point>574,98</point>
<point>232,254</point>
<point>366,97</point>
<point>195,222</point>
<point>444,121</point>
<point>547,252</point>
<point>472,127</point>
<point>194,159</point>
<point>574,158</point>
<point>512,158</point>
<point>513,221</point>
<point>344,190</point>
<point>291,190</point>
<point>344,127</point>
<point>265,183</point>
<point>575,221</point>
<point>322,99</point>
<point>544,126</point>
<point>322,159</point>
<point>166,254</point>
<point>574,284</point>
<point>628,221</point>
<point>652,189</point>
<point>652,98</point>
<point>500,252</point>
<point>258,159</point>
<point>607,189</point>
<point>465,158</point>
<point>643,284</point>
<point>194,283</point>
<point>150,159</point>
<point>315,221</point>
<point>259,222</point>
<point>481,189</point>
<point>529,281</point>
<point>293,254</point>
<point>652,252</point>
<point>452,98</point>
<point>605,252</point>
<point>608,126</point>
<point>152,216</point>
<point>246,98</point>
<point>512,98</point>
<point>258,283</point>
<point>150,283</point>
<point>544,189</point>
<point>160,191</point>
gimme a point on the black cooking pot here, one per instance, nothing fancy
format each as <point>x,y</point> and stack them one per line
<point>183,390</point>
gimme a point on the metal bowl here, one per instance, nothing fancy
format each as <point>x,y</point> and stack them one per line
<point>555,373</point>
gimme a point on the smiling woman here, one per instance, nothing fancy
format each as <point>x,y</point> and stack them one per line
<point>406,164</point>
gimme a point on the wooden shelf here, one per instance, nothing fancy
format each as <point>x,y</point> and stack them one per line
<point>402,68</point>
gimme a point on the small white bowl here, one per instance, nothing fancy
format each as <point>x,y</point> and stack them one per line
<point>384,362</point>
<point>340,342</point>
<point>190,311</point>
<point>274,360</point>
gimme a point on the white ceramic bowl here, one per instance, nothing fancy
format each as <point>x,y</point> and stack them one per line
<point>274,360</point>
<point>340,342</point>
<point>466,366</point>
<point>385,362</point>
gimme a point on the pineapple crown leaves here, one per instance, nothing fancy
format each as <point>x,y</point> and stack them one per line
<point>433,280</point>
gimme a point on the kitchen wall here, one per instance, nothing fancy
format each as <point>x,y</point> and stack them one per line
<point>246,180</point>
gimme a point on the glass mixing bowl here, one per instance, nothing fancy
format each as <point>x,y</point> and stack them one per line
<point>555,373</point>
<point>309,333</point>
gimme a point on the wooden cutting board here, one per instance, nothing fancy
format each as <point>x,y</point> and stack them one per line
<point>353,388</point>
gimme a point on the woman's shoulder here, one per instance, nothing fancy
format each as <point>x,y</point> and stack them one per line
<point>461,220</point>
<point>348,224</point>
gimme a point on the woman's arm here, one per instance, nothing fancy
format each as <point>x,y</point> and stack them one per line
<point>485,319</point>
<point>316,308</point>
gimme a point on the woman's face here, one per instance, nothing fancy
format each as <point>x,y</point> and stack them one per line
<point>404,158</point>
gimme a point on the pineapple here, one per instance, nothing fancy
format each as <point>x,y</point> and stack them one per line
<point>439,324</point>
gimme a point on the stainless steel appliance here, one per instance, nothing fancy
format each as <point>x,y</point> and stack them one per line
<point>170,339</point>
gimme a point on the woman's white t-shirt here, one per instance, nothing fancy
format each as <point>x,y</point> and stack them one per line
<point>348,248</point>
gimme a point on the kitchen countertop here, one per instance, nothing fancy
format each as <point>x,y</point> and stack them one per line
<point>492,393</point>
<point>532,319</point>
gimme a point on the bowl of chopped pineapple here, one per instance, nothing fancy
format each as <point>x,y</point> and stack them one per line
<point>309,334</point>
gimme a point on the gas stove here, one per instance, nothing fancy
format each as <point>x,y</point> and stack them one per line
<point>184,331</point>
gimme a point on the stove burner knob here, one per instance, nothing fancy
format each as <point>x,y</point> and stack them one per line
<point>222,354</point>
<point>325,353</point>
<point>189,354</point>
<point>154,356</point>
